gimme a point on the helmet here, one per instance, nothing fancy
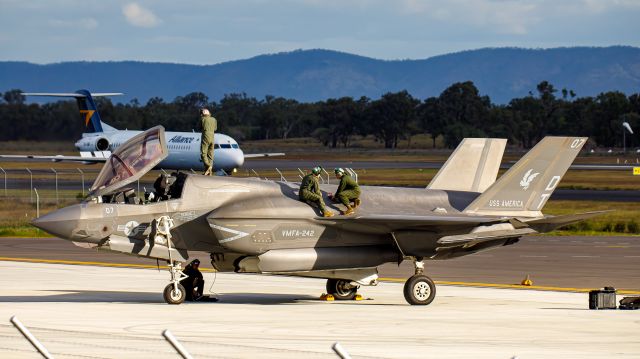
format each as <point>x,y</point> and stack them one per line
<point>316,170</point>
<point>339,171</point>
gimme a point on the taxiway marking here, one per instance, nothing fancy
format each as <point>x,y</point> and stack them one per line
<point>83,263</point>
<point>400,280</point>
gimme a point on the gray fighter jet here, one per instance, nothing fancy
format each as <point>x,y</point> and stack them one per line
<point>250,225</point>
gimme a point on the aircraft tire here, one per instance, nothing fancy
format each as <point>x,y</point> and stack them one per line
<point>340,289</point>
<point>419,290</point>
<point>172,297</point>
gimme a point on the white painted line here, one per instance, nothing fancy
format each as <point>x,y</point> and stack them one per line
<point>533,256</point>
<point>632,256</point>
<point>585,256</point>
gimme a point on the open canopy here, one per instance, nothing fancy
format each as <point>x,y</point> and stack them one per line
<point>131,161</point>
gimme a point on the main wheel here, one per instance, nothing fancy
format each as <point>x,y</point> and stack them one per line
<point>173,296</point>
<point>341,289</point>
<point>419,290</point>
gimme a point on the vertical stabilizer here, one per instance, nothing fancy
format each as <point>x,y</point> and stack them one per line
<point>88,110</point>
<point>525,188</point>
<point>472,167</point>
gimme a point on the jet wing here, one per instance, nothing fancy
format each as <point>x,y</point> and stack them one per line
<point>392,223</point>
<point>256,155</point>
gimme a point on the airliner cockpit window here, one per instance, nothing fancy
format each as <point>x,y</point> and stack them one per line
<point>131,161</point>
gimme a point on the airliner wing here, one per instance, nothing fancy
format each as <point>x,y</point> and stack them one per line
<point>85,157</point>
<point>256,155</point>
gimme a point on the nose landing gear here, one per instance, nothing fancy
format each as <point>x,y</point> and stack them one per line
<point>174,292</point>
<point>419,289</point>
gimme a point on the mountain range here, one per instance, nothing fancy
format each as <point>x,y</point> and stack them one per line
<point>312,75</point>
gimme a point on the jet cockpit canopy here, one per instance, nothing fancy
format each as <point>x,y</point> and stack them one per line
<point>130,161</point>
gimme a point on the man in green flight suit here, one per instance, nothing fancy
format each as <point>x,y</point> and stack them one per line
<point>310,191</point>
<point>209,127</point>
<point>348,191</point>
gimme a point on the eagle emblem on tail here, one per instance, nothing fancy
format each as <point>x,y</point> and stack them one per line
<point>527,179</point>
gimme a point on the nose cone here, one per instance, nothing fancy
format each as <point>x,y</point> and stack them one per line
<point>238,158</point>
<point>60,223</point>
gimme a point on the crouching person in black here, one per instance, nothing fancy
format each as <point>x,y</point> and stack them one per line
<point>194,283</point>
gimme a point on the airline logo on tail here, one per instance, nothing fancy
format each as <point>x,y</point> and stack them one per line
<point>527,179</point>
<point>87,116</point>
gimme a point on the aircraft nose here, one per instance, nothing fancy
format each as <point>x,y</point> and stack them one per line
<point>238,158</point>
<point>60,223</point>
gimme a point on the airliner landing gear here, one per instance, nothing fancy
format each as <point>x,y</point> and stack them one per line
<point>174,292</point>
<point>341,289</point>
<point>419,289</point>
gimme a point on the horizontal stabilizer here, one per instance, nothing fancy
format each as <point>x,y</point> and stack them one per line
<point>472,167</point>
<point>553,222</point>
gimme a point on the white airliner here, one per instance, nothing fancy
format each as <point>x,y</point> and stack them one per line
<point>100,139</point>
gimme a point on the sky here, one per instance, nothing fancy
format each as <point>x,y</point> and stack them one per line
<point>214,31</point>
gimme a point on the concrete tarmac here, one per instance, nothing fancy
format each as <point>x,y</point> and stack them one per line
<point>564,261</point>
<point>97,312</point>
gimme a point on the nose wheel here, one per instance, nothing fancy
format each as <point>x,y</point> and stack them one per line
<point>419,289</point>
<point>174,293</point>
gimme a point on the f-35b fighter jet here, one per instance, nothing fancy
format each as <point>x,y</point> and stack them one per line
<point>250,225</point>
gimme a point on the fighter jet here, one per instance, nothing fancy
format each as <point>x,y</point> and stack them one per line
<point>251,225</point>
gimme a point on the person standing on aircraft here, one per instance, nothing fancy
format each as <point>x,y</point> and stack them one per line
<point>348,191</point>
<point>209,127</point>
<point>310,191</point>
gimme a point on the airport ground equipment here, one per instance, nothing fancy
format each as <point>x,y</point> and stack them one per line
<point>604,298</point>
<point>259,226</point>
<point>630,303</point>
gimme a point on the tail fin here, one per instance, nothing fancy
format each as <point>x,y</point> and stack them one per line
<point>525,188</point>
<point>88,110</point>
<point>472,167</point>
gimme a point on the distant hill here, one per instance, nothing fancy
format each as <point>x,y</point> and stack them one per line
<point>310,75</point>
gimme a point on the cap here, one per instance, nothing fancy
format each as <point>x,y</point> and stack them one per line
<point>195,262</point>
<point>205,112</point>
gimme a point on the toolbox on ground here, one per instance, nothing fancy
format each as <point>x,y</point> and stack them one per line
<point>630,303</point>
<point>604,298</point>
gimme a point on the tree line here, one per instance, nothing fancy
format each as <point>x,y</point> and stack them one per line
<point>459,111</point>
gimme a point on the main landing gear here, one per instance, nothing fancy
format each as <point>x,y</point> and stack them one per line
<point>341,289</point>
<point>419,289</point>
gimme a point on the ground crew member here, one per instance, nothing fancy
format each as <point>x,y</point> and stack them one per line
<point>194,283</point>
<point>209,127</point>
<point>310,191</point>
<point>348,191</point>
